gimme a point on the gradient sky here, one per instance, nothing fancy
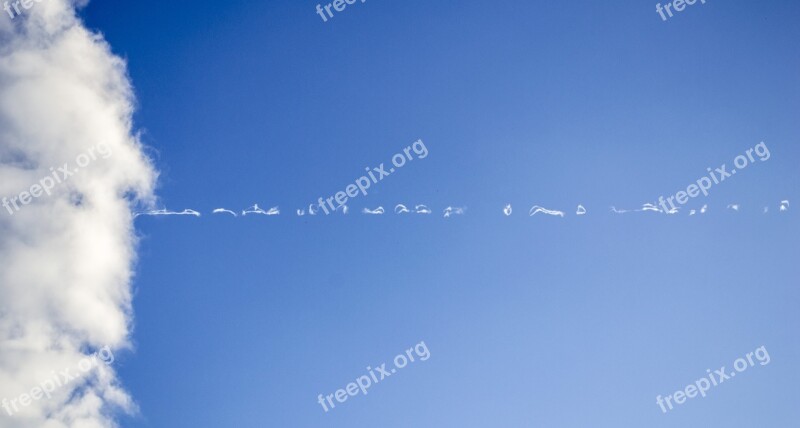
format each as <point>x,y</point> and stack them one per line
<point>542,321</point>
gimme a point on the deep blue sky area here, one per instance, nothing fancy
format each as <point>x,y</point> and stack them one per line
<point>530,321</point>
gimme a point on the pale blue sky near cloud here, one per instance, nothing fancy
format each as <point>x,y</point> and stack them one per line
<point>572,322</point>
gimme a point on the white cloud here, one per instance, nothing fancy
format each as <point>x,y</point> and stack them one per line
<point>67,257</point>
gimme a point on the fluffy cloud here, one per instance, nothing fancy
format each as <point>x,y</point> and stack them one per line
<point>66,257</point>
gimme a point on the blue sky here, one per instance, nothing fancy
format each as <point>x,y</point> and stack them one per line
<point>542,321</point>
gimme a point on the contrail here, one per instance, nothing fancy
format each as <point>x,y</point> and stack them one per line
<point>537,209</point>
<point>400,209</point>
<point>376,211</point>
<point>167,212</point>
<point>454,211</point>
<point>256,210</point>
<point>223,211</point>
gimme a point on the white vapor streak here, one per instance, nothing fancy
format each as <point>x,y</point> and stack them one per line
<point>537,209</point>
<point>376,211</point>
<point>648,207</point>
<point>67,256</point>
<point>652,207</point>
<point>223,211</point>
<point>449,211</point>
<point>167,212</point>
<point>422,209</point>
<point>256,210</point>
<point>453,211</point>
